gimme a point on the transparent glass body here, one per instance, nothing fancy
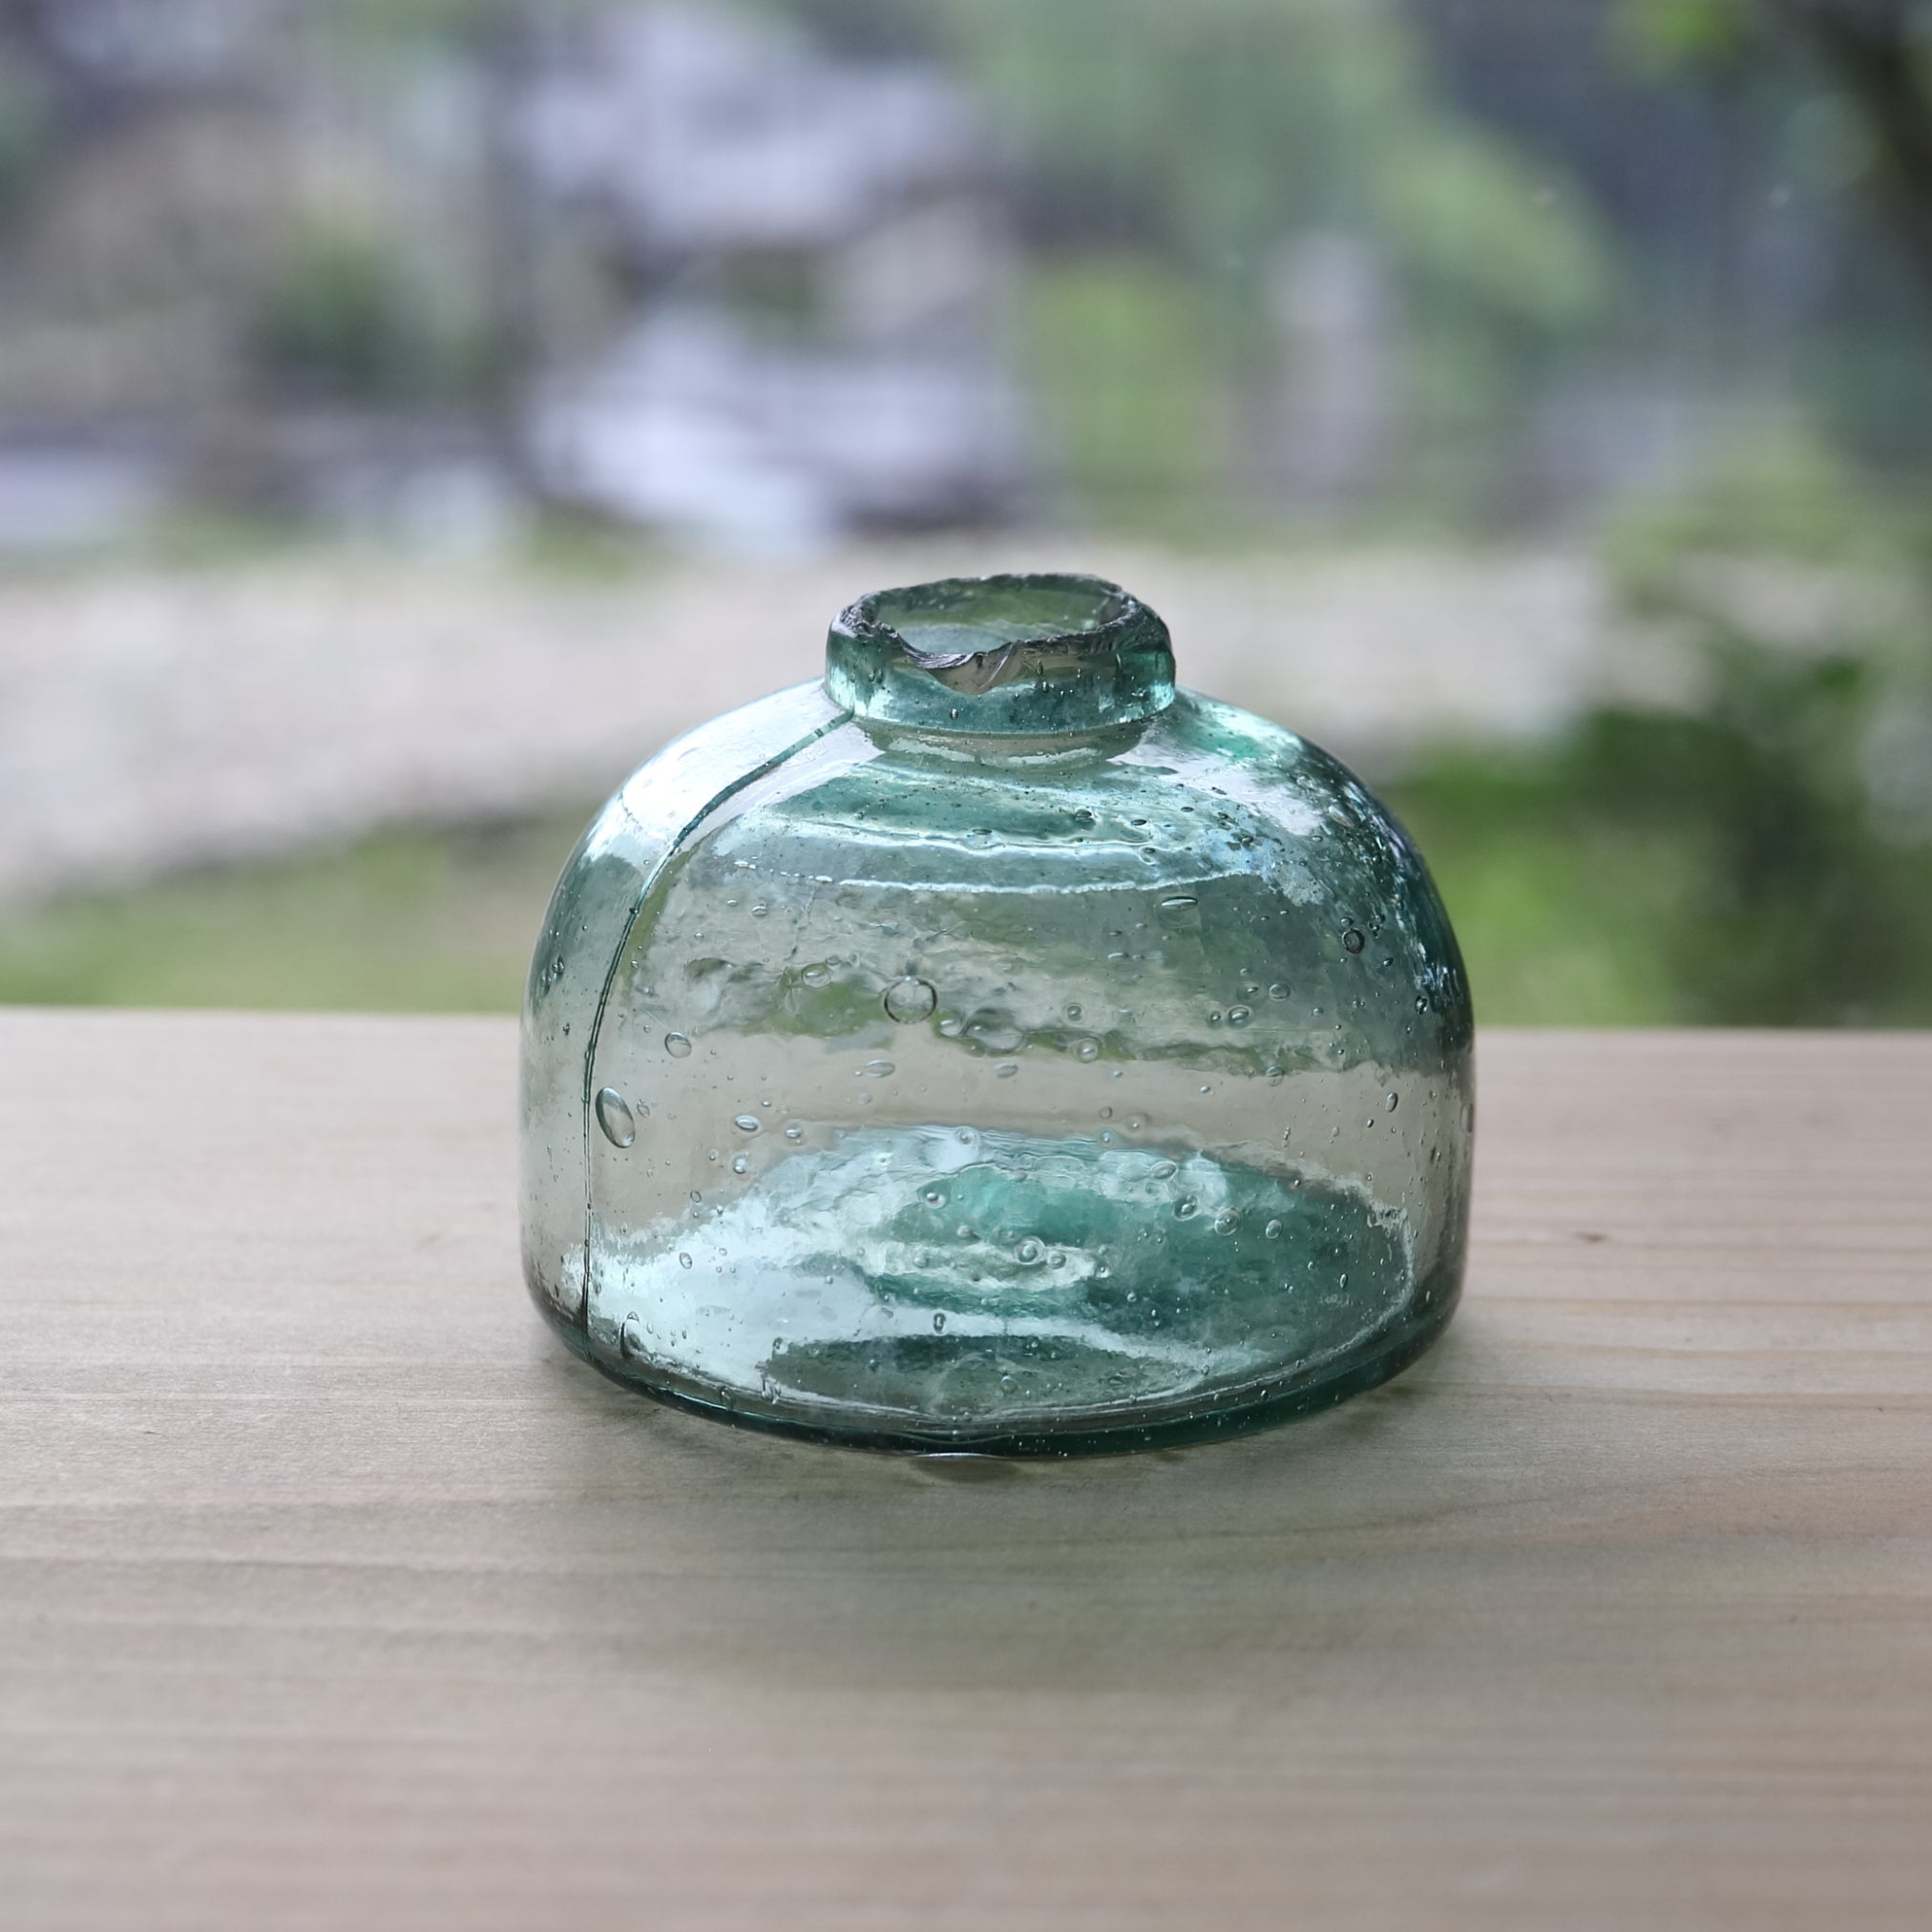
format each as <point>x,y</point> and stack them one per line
<point>994,1049</point>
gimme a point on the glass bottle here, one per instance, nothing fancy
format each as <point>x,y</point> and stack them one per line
<point>991,1048</point>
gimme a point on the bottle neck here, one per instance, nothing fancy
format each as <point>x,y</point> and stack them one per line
<point>1027,656</point>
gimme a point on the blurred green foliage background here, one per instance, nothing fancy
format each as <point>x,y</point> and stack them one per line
<point>1756,850</point>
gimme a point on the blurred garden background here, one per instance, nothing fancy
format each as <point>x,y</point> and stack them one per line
<point>413,412</point>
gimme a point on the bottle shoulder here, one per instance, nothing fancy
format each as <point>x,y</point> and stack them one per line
<point>1202,789</point>
<point>673,790</point>
<point>1199,744</point>
<point>792,786</point>
<point>1205,799</point>
<point>1206,816</point>
<point>657,811</point>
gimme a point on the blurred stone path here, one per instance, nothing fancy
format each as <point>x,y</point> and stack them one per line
<point>157,719</point>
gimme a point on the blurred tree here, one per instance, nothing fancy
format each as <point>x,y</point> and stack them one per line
<point>1759,856</point>
<point>1210,139</point>
<point>343,316</point>
<point>1876,54</point>
<point>24,118</point>
<point>1217,128</point>
<point>1795,788</point>
<point>1791,587</point>
<point>1121,351</point>
<point>1168,158</point>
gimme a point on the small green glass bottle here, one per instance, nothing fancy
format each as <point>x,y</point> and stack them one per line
<point>994,1049</point>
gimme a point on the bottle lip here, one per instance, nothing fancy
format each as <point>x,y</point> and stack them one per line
<point>1019,653</point>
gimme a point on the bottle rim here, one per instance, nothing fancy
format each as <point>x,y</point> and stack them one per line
<point>1037,653</point>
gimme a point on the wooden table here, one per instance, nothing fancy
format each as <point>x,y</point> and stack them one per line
<point>334,1594</point>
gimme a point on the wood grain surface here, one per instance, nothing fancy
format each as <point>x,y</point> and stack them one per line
<point>334,1594</point>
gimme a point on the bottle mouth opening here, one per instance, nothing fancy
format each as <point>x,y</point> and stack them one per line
<point>1017,654</point>
<point>948,625</point>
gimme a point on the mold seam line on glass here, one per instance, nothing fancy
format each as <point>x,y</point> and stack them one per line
<point>646,889</point>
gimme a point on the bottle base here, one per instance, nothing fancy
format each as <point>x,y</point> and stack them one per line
<point>1266,1403</point>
